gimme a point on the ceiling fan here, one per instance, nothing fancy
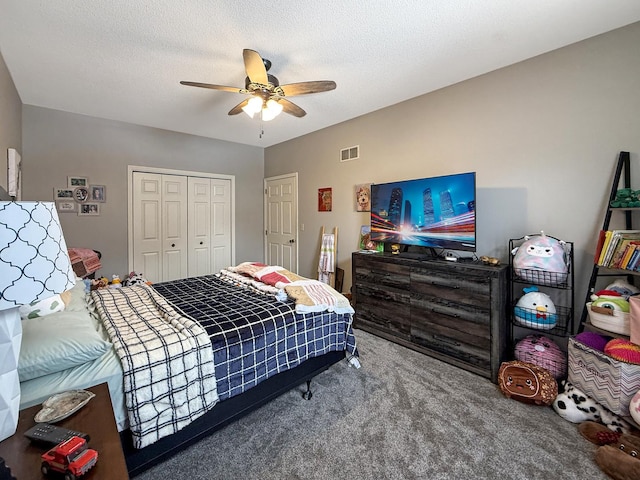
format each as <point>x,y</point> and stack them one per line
<point>266,95</point>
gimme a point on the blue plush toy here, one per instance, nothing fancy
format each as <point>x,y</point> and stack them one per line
<point>535,310</point>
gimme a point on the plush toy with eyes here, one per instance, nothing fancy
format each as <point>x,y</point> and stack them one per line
<point>618,455</point>
<point>610,300</point>
<point>527,383</point>
<point>541,259</point>
<point>535,310</point>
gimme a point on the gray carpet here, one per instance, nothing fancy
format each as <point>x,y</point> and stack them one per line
<point>403,415</point>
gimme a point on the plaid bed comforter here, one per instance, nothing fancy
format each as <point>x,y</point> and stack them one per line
<point>255,336</point>
<point>250,334</point>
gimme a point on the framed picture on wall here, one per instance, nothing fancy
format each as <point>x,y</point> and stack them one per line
<point>89,209</point>
<point>98,193</point>
<point>66,206</point>
<point>324,199</point>
<point>363,197</point>
<point>63,193</point>
<point>81,194</point>
<point>74,182</point>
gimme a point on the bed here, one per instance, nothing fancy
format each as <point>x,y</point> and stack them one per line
<point>246,342</point>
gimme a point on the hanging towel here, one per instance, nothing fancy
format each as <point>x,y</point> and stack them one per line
<point>327,258</point>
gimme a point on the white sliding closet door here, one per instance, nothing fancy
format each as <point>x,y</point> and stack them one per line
<point>181,225</point>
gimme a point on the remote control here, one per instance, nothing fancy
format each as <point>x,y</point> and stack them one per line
<point>51,435</point>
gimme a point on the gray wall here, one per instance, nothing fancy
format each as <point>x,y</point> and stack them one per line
<point>543,136</point>
<point>10,120</point>
<point>59,144</point>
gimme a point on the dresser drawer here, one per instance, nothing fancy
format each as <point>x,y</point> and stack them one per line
<point>385,308</point>
<point>468,290</point>
<point>381,273</point>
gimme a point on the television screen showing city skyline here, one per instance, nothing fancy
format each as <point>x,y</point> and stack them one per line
<point>427,212</point>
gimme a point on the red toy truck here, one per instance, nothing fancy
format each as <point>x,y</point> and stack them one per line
<point>71,457</point>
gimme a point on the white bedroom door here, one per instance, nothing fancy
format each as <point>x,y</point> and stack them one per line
<point>281,221</point>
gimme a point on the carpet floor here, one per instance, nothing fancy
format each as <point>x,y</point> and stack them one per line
<point>403,415</point>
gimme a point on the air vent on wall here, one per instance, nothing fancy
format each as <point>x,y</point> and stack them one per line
<point>350,153</point>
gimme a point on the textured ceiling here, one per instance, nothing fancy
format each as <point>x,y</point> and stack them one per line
<point>124,59</point>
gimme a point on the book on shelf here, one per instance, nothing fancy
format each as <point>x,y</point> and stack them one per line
<point>615,245</point>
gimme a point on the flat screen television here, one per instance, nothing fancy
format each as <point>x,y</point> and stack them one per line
<point>434,212</point>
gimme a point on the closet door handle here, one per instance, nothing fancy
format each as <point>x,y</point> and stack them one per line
<point>173,245</point>
<point>201,243</point>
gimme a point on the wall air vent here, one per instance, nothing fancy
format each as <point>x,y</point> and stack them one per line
<point>350,153</point>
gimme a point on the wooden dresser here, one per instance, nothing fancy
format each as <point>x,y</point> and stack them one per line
<point>454,311</point>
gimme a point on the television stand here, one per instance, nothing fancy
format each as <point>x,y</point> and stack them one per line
<point>416,255</point>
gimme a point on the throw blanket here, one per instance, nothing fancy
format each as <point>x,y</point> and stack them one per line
<point>169,376</point>
<point>309,295</point>
<point>84,261</point>
<point>327,258</point>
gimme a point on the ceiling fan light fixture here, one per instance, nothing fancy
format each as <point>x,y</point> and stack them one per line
<point>253,106</point>
<point>271,110</point>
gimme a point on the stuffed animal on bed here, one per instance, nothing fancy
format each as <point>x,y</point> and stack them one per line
<point>135,279</point>
<point>535,309</point>
<point>541,259</point>
<point>527,383</point>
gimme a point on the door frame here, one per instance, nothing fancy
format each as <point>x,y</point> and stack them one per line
<point>187,173</point>
<point>265,216</point>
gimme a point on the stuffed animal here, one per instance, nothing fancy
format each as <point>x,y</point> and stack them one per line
<point>135,279</point>
<point>618,455</point>
<point>626,198</point>
<point>535,310</point>
<point>541,259</point>
<point>101,282</point>
<point>543,352</point>
<point>576,406</point>
<point>634,408</point>
<point>623,287</point>
<point>610,300</point>
<point>115,282</point>
<point>527,383</point>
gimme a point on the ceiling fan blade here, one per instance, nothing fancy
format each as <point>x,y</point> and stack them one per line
<point>238,108</point>
<point>213,87</point>
<point>254,66</point>
<point>291,108</point>
<point>304,88</point>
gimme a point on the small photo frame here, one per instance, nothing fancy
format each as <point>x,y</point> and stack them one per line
<point>89,209</point>
<point>363,197</point>
<point>63,193</point>
<point>66,206</point>
<point>324,199</point>
<point>81,194</point>
<point>98,193</point>
<point>74,182</point>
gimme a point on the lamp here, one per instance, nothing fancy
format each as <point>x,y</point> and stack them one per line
<point>269,109</point>
<point>34,265</point>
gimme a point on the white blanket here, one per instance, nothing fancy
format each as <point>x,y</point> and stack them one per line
<point>169,376</point>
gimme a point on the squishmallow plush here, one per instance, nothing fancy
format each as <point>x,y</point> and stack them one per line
<point>541,259</point>
<point>527,383</point>
<point>535,310</point>
<point>634,407</point>
<point>543,352</point>
<point>623,287</point>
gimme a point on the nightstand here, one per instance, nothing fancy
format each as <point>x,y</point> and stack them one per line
<point>95,418</point>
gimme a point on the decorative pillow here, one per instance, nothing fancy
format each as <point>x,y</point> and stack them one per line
<point>42,308</point>
<point>61,340</point>
<point>623,350</point>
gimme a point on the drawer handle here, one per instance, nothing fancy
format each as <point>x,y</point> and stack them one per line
<point>452,315</point>
<point>453,287</point>
<point>446,340</point>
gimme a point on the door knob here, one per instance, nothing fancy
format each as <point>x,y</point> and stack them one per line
<point>201,243</point>
<point>173,245</point>
<point>292,241</point>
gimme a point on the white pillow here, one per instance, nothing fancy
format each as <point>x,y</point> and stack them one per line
<point>42,308</point>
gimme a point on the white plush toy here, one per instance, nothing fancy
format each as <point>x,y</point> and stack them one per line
<point>575,406</point>
<point>535,310</point>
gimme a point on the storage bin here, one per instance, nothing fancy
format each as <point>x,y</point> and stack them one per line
<point>608,381</point>
<point>616,323</point>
